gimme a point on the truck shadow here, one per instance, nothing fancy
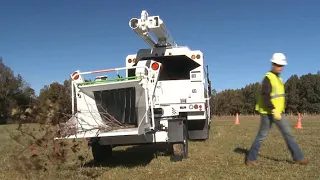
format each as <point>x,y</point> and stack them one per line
<point>140,155</point>
<point>245,152</point>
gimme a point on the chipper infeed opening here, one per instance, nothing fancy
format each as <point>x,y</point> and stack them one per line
<point>111,105</point>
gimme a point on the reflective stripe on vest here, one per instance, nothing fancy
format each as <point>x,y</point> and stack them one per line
<point>277,95</point>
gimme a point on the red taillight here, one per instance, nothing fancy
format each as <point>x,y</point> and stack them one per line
<point>75,75</point>
<point>155,66</point>
<point>195,106</point>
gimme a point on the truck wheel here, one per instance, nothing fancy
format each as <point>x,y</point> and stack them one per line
<point>180,150</point>
<point>100,152</point>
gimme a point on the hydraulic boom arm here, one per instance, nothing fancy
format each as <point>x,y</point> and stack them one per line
<point>154,24</point>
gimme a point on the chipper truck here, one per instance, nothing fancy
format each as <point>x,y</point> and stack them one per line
<point>161,97</point>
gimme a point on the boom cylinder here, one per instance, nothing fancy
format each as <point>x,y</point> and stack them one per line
<point>154,24</point>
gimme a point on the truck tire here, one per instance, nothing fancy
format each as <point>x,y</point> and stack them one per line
<point>180,150</point>
<point>101,153</point>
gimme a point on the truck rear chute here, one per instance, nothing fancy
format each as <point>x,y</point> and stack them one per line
<point>175,67</point>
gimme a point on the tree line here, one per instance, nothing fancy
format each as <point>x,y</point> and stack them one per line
<point>18,101</point>
<point>302,96</point>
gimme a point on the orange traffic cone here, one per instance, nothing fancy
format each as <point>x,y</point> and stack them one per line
<point>299,125</point>
<point>237,119</point>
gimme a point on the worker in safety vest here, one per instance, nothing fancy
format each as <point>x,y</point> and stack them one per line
<point>271,106</point>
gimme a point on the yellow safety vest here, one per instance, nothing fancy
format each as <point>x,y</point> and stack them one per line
<point>277,96</point>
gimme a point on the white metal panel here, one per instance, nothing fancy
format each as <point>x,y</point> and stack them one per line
<point>89,116</point>
<point>172,91</point>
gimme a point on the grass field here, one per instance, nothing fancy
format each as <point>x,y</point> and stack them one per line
<point>220,157</point>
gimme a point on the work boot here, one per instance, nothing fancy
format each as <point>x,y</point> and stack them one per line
<point>253,163</point>
<point>302,162</point>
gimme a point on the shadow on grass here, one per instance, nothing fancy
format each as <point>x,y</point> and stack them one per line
<point>140,155</point>
<point>246,152</point>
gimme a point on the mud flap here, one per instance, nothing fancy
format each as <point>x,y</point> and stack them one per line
<point>178,140</point>
<point>175,130</point>
<point>198,129</point>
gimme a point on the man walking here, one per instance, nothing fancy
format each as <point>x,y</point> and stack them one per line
<point>271,106</point>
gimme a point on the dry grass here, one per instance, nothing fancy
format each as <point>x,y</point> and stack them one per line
<point>221,157</point>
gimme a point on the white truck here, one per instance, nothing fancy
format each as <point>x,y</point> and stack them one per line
<point>163,98</point>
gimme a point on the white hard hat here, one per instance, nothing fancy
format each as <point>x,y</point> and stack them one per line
<point>279,58</point>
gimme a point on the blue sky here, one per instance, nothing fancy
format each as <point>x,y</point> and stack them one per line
<point>45,41</point>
